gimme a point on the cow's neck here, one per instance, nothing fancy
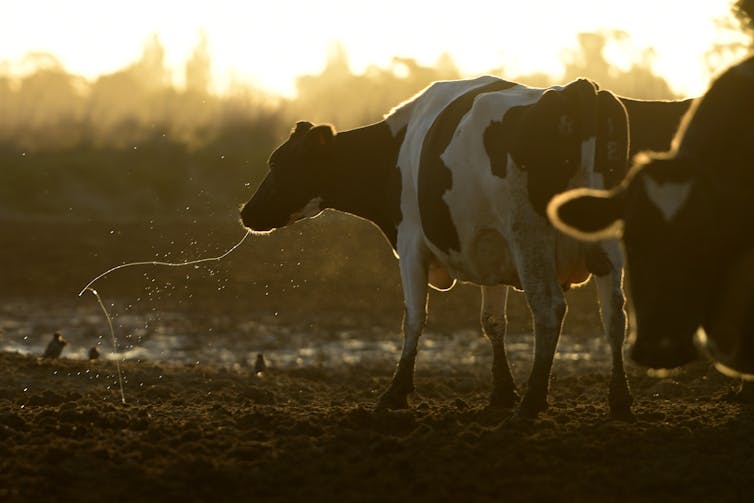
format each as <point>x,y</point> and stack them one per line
<point>366,181</point>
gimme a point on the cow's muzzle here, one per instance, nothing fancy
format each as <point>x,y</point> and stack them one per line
<point>255,220</point>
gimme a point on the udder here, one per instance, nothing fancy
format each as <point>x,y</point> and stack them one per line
<point>486,260</point>
<point>439,277</point>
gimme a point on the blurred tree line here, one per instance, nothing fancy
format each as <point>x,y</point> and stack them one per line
<point>130,144</point>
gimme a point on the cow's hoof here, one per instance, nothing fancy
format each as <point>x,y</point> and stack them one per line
<point>622,413</point>
<point>392,401</point>
<point>502,401</point>
<point>530,409</point>
<point>620,408</point>
<point>741,394</point>
<point>518,419</point>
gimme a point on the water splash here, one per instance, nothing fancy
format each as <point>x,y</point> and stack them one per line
<point>148,262</point>
<point>168,264</point>
<point>115,342</point>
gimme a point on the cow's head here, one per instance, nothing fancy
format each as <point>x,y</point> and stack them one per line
<point>292,190</point>
<point>665,221</point>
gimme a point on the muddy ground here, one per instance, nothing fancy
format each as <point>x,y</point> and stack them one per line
<point>199,425</point>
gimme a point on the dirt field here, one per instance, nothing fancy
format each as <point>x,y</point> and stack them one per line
<point>198,425</point>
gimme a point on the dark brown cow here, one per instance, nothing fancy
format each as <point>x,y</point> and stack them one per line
<point>687,223</point>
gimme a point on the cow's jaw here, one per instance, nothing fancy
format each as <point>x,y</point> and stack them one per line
<point>311,209</point>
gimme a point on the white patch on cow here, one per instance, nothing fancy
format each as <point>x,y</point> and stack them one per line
<point>483,206</point>
<point>668,197</point>
<point>311,209</point>
<point>584,175</point>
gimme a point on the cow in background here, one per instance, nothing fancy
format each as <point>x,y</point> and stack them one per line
<point>687,223</point>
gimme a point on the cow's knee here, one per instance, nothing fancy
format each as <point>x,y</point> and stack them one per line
<point>548,317</point>
<point>493,325</point>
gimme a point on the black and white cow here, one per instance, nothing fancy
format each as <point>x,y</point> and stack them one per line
<point>458,178</point>
<point>687,222</point>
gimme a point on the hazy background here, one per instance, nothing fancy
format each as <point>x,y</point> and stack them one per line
<point>114,150</point>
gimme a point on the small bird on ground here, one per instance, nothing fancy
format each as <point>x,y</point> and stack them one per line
<point>55,346</point>
<point>93,353</point>
<point>259,365</point>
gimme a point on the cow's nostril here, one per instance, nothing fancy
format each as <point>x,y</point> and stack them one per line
<point>663,353</point>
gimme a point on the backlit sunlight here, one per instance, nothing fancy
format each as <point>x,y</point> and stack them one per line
<point>269,44</point>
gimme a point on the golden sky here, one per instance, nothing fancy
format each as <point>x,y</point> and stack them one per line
<point>268,43</point>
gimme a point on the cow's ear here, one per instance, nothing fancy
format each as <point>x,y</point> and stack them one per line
<point>321,136</point>
<point>588,214</point>
<point>301,128</point>
<point>612,149</point>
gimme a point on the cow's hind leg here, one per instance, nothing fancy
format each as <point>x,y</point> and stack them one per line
<point>494,321</point>
<point>548,309</point>
<point>612,302</point>
<point>414,277</point>
<point>536,265</point>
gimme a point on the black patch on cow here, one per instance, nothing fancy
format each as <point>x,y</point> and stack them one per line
<point>611,151</point>
<point>496,148</point>
<point>393,189</point>
<point>719,134</point>
<point>364,179</point>
<point>435,178</point>
<point>545,138</point>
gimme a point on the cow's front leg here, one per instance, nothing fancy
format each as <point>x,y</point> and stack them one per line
<point>414,275</point>
<point>743,392</point>
<point>494,323</point>
<point>612,303</point>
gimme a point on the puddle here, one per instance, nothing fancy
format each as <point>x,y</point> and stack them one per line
<point>234,342</point>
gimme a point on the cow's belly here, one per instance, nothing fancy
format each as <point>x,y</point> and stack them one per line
<point>485,259</point>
